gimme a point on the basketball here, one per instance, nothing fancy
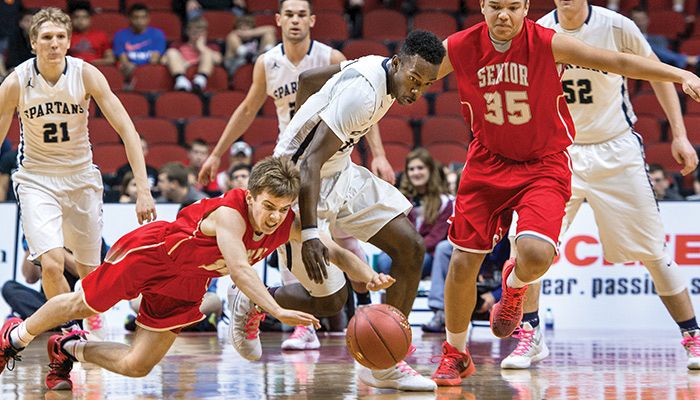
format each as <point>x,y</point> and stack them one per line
<point>378,336</point>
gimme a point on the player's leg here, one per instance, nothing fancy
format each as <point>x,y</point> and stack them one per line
<point>52,280</point>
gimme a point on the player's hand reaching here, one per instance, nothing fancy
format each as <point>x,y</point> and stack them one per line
<point>295,318</point>
<point>380,281</point>
<point>315,257</point>
<point>685,154</point>
<point>691,86</point>
<point>209,169</point>
<point>145,207</point>
<point>382,168</point>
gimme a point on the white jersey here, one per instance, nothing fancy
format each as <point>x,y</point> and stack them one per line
<point>599,101</point>
<point>53,120</point>
<point>281,76</point>
<point>350,102</point>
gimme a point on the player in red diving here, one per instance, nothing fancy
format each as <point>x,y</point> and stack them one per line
<point>508,71</point>
<point>171,264</point>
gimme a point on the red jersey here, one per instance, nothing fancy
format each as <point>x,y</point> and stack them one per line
<point>198,254</point>
<point>514,98</point>
<point>90,45</point>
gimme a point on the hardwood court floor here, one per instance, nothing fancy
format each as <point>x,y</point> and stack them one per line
<point>583,365</point>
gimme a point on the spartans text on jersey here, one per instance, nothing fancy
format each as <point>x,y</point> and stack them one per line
<point>52,107</point>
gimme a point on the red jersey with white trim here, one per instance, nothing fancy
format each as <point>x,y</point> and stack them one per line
<point>512,97</point>
<point>199,255</point>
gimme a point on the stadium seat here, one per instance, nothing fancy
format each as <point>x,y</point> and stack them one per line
<point>110,22</point>
<point>262,6</point>
<point>220,24</point>
<point>157,130</point>
<point>152,78</point>
<point>417,110</point>
<point>262,151</point>
<point>472,20</point>
<point>448,104</point>
<point>105,5</point>
<point>660,153</point>
<point>101,132</point>
<point>647,104</point>
<point>243,77</point>
<point>160,154</point>
<point>448,152</point>
<point>262,130</point>
<point>115,79</point>
<point>178,105</point>
<point>218,80</point>
<point>443,129</point>
<point>354,49</point>
<point>135,103</point>
<point>649,128</point>
<point>267,19</point>
<point>169,23</point>
<point>208,128</point>
<point>692,122</point>
<point>44,3</point>
<point>330,27</point>
<point>223,104</point>
<point>384,25</point>
<point>109,156</point>
<point>336,6</point>
<point>396,130</point>
<point>666,22</point>
<point>269,109</point>
<point>691,46</point>
<point>153,5</point>
<point>439,23</point>
<point>13,132</point>
<point>692,107</point>
<point>395,154</point>
<point>452,6</point>
<point>451,83</point>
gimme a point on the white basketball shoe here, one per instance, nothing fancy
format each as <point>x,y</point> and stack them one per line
<point>691,343</point>
<point>245,325</point>
<point>531,348</point>
<point>303,338</point>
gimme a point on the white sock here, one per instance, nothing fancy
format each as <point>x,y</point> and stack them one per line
<point>75,348</point>
<point>514,282</point>
<point>458,340</point>
<point>19,337</point>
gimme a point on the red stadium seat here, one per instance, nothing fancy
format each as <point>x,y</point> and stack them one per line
<point>160,154</point>
<point>439,23</point>
<point>153,5</point>
<point>384,25</point>
<point>691,46</point>
<point>209,129</point>
<point>220,24</point>
<point>135,103</point>
<point>218,80</point>
<point>472,20</point>
<point>178,105</point>
<point>448,104</point>
<point>243,77</point>
<point>452,6</point>
<point>692,123</point>
<point>101,132</point>
<point>660,153</point>
<point>451,83</point>
<point>262,130</point>
<point>330,26</point>
<point>258,6</point>
<point>105,5</point>
<point>110,22</point>
<point>396,130</point>
<point>267,19</point>
<point>169,23</point>
<point>443,129</point>
<point>336,6</point>
<point>666,22</point>
<point>269,109</point>
<point>157,130</point>
<point>152,78</point>
<point>649,128</point>
<point>692,107</point>
<point>223,104</point>
<point>115,79</point>
<point>448,152</point>
<point>417,110</point>
<point>647,104</point>
<point>13,132</point>
<point>262,151</point>
<point>109,156</point>
<point>44,3</point>
<point>395,153</point>
<point>357,48</point>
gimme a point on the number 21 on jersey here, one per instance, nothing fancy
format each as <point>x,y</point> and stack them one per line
<point>515,109</point>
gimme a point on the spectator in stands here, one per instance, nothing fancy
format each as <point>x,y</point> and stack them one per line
<point>92,45</point>
<point>151,172</point>
<point>423,185</point>
<point>8,162</point>
<point>660,44</point>
<point>20,47</point>
<point>488,286</point>
<point>174,185</point>
<point>196,155</point>
<point>239,153</point>
<point>696,187</point>
<point>246,42</point>
<point>190,9</point>
<point>452,179</point>
<point>127,190</point>
<point>238,176</point>
<point>677,5</point>
<point>138,44</point>
<point>9,15</point>
<point>195,51</point>
<point>663,189</point>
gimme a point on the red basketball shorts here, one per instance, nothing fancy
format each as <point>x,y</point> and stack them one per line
<point>492,187</point>
<point>138,264</point>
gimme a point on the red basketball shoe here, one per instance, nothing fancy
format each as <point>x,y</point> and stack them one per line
<point>61,363</point>
<point>507,313</point>
<point>7,351</point>
<point>454,365</point>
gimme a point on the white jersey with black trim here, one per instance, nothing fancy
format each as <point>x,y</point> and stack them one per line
<point>53,120</point>
<point>281,76</point>
<point>350,102</point>
<point>598,100</point>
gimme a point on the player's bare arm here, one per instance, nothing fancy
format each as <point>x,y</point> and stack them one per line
<point>96,86</point>
<point>380,164</point>
<point>568,50</point>
<point>229,227</point>
<point>9,98</point>
<point>311,81</point>
<point>324,144</point>
<point>683,152</point>
<point>240,120</point>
